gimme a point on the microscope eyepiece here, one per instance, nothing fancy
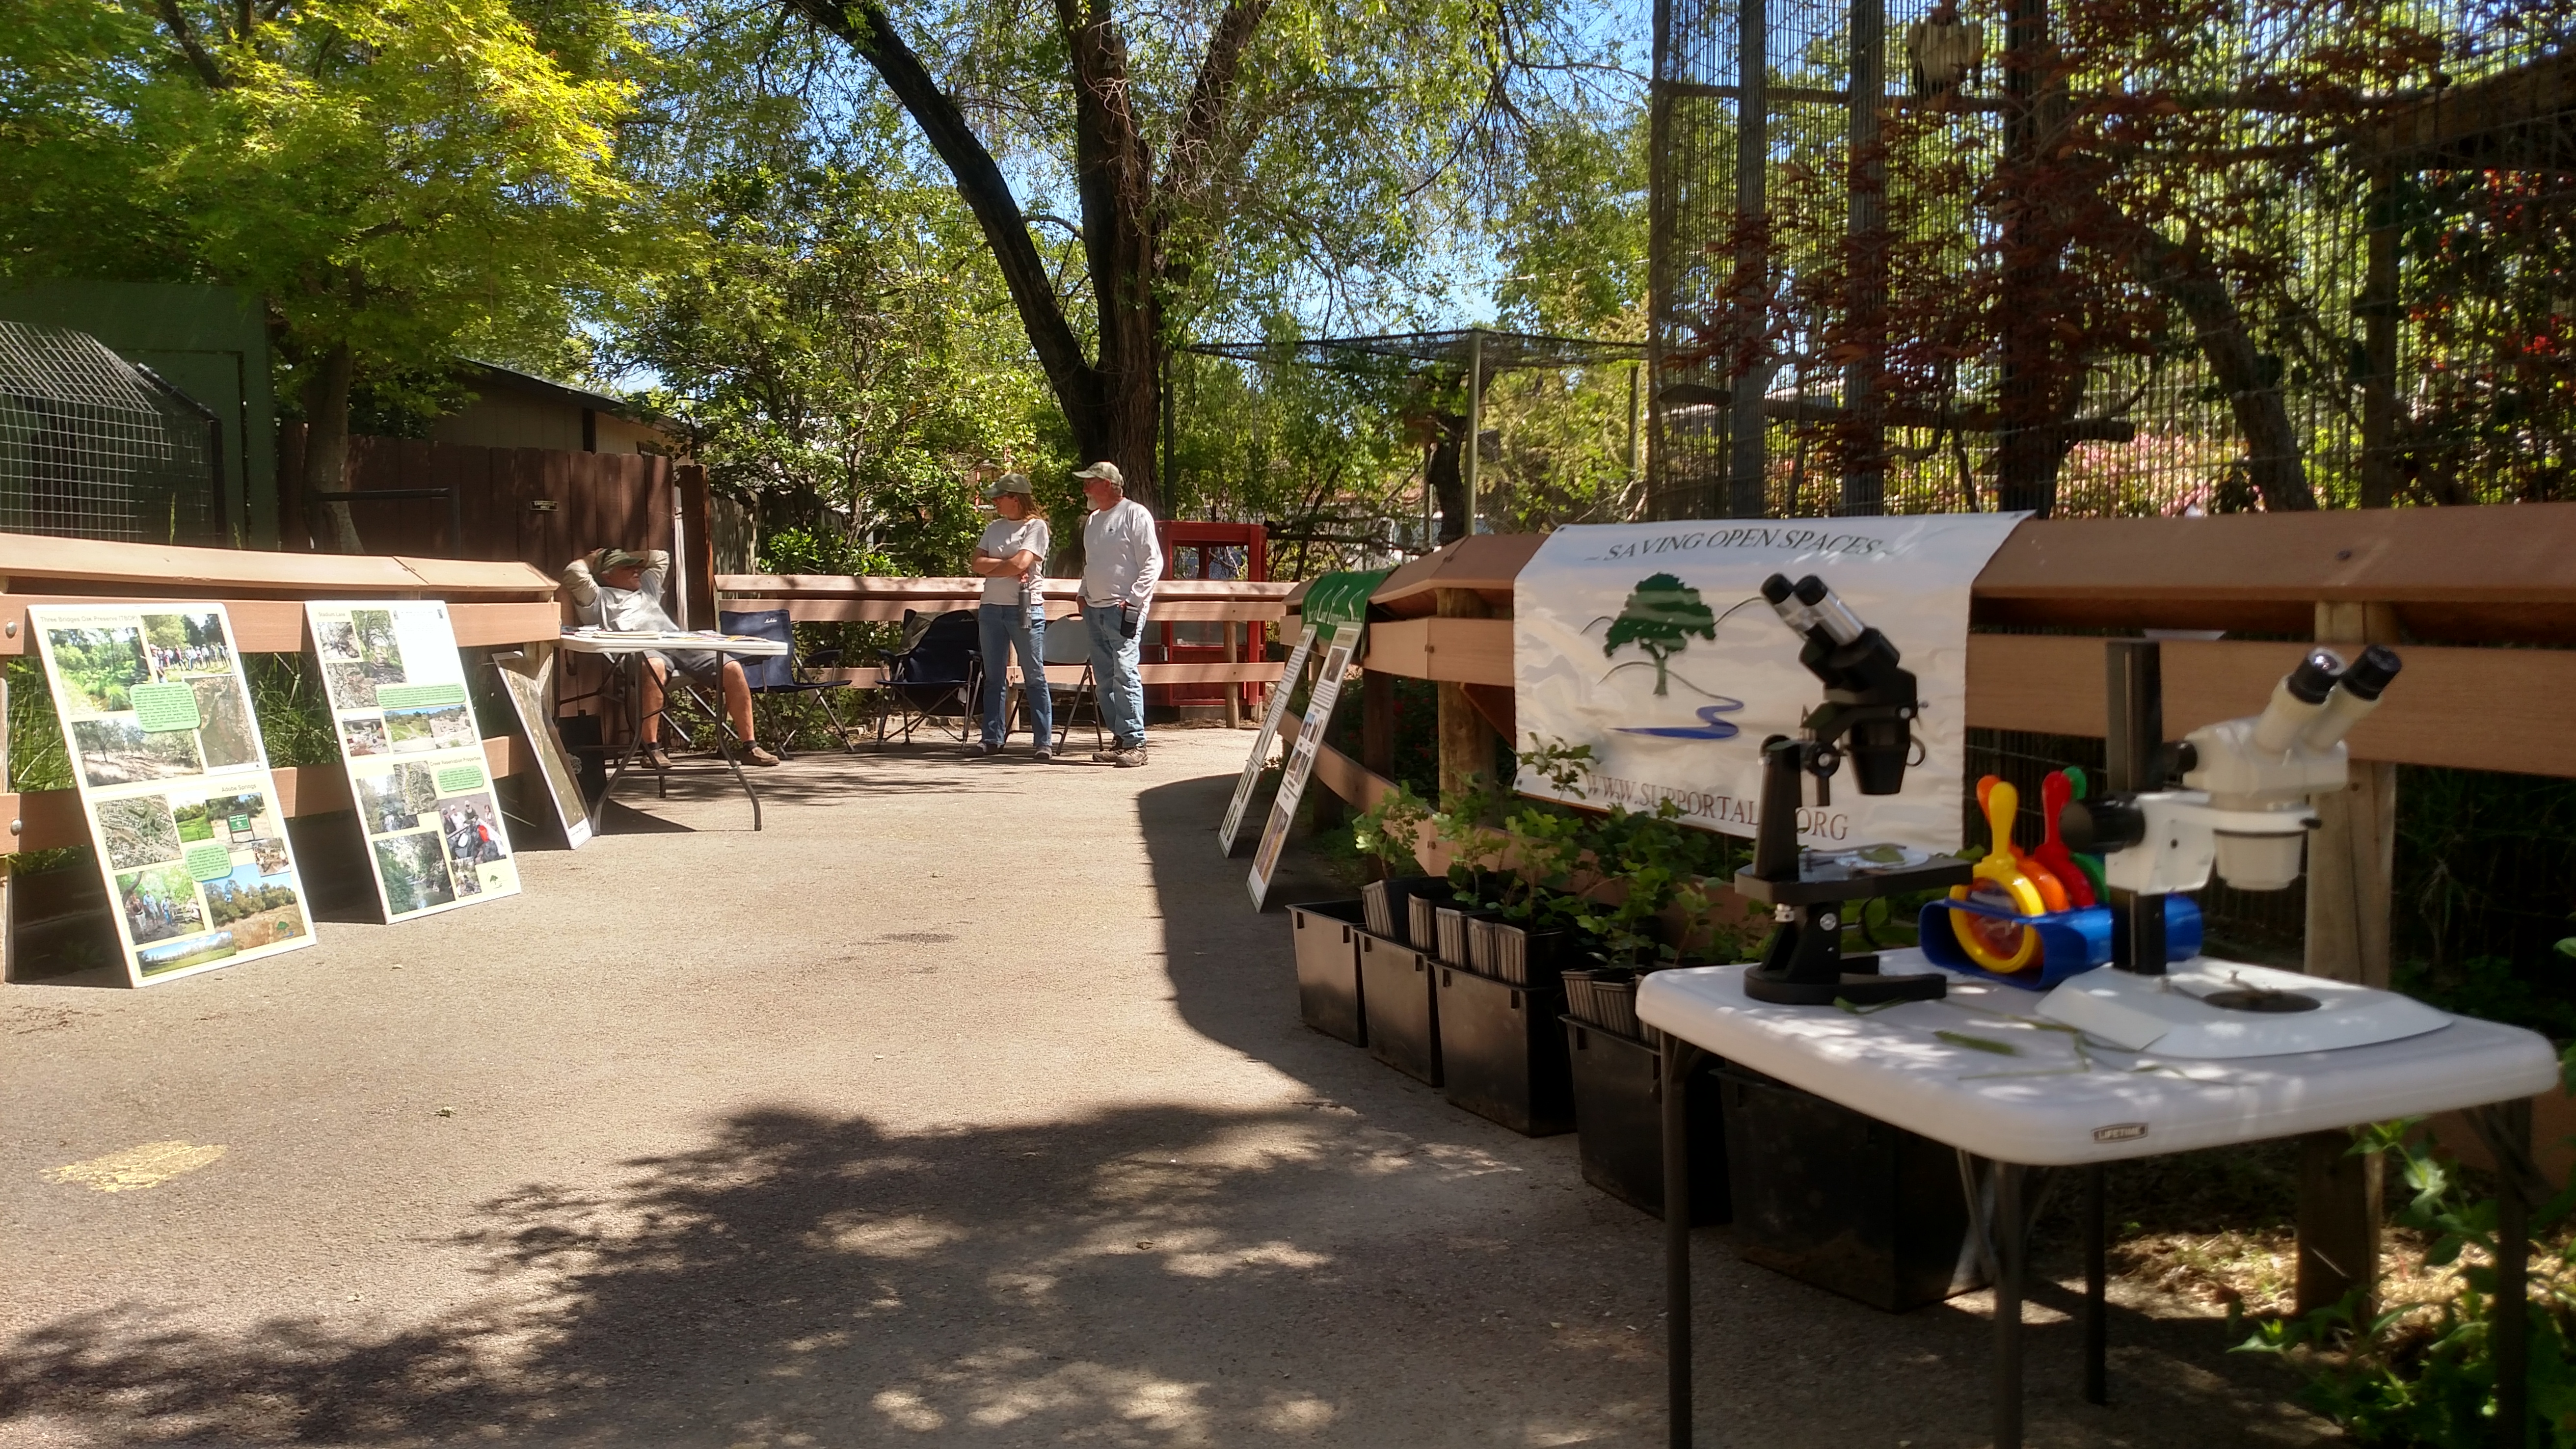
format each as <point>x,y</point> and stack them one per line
<point>1812,591</point>
<point>2371,673</point>
<point>1776,588</point>
<point>2315,676</point>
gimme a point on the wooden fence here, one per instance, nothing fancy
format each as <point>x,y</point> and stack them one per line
<point>537,506</point>
<point>831,598</point>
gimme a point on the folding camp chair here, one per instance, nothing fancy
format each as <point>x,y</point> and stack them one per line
<point>934,672</point>
<point>775,675</point>
<point>1068,641</point>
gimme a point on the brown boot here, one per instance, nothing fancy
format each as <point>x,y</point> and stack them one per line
<point>652,758</point>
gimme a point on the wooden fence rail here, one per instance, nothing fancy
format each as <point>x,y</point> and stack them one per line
<point>490,604</point>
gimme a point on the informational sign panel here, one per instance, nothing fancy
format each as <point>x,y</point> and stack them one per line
<point>526,675</point>
<point>1260,756</point>
<point>174,779</point>
<point>435,837</point>
<point>1651,643</point>
<point>1301,756</point>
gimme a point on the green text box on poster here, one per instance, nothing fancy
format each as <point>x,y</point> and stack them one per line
<point>457,779</point>
<point>165,707</point>
<point>209,860</point>
<point>418,696</point>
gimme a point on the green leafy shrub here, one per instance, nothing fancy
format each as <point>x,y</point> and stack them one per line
<point>2409,1376</point>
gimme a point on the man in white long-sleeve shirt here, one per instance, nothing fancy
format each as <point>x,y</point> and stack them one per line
<point>1121,559</point>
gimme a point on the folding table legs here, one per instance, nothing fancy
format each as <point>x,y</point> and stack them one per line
<point>1680,1059</point>
<point>2097,1386</point>
<point>2011,1261</point>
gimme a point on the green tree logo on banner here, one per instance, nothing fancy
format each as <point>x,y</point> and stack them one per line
<point>1661,615</point>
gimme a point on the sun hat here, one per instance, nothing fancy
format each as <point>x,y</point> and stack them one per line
<point>1106,472</point>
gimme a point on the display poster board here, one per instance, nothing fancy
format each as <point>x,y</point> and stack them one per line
<point>174,781</point>
<point>1260,755</point>
<point>1651,643</point>
<point>1301,756</point>
<point>435,837</point>
<point>528,677</point>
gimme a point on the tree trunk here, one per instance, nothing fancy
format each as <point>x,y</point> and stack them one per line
<point>1448,475</point>
<point>326,442</point>
<point>2273,462</point>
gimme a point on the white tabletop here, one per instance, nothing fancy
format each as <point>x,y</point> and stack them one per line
<point>2009,1086</point>
<point>613,643</point>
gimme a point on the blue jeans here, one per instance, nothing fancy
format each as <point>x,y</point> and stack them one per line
<point>1006,627</point>
<point>1113,670</point>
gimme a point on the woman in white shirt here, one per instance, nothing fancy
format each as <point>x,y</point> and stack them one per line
<point>1011,557</point>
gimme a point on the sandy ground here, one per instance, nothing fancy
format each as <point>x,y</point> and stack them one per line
<point>965,1104</point>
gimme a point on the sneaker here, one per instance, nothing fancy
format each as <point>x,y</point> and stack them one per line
<point>979,750</point>
<point>1104,757</point>
<point>652,758</point>
<point>1129,758</point>
<point>755,755</point>
<point>1042,755</point>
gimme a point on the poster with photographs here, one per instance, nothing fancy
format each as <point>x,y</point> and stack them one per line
<point>416,767</point>
<point>175,782</point>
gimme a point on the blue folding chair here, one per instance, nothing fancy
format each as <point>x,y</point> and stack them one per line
<point>937,672</point>
<point>774,675</point>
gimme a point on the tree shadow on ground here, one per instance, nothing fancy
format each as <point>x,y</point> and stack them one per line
<point>1352,1262</point>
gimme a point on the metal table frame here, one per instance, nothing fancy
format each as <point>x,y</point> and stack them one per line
<point>629,657</point>
<point>2002,1235</point>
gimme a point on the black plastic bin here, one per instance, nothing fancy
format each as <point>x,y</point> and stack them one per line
<point>1327,934</point>
<point>1844,1201</point>
<point>1619,1123</point>
<point>1399,1000</point>
<point>1501,1054</point>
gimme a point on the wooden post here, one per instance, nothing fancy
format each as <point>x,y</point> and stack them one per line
<point>698,547</point>
<point>1466,741</point>
<point>1748,441</point>
<point>2351,863</point>
<point>2352,857</point>
<point>1865,244</point>
<point>2338,1222</point>
<point>1233,688</point>
<point>1377,722</point>
<point>2379,346</point>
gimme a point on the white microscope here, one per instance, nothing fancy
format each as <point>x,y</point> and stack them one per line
<point>2244,810</point>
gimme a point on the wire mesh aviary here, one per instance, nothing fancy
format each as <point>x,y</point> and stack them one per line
<point>92,446</point>
<point>2112,256</point>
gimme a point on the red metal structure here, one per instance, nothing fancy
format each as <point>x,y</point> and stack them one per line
<point>1210,551</point>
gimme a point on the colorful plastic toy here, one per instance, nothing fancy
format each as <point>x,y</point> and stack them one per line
<point>2054,793</point>
<point>1996,942</point>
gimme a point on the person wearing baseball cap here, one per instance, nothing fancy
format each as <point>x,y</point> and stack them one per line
<point>1121,559</point>
<point>1011,558</point>
<point>621,588</point>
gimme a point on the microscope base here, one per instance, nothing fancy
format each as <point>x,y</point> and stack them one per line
<point>1860,988</point>
<point>2174,1014</point>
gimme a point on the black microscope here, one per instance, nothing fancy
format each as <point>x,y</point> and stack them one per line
<point>1868,714</point>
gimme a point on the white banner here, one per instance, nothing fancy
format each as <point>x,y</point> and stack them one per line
<point>1651,643</point>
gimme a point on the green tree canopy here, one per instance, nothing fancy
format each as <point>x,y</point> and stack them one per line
<point>400,181</point>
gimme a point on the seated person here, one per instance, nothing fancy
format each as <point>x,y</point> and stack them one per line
<point>620,588</point>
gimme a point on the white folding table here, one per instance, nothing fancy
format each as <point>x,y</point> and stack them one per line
<point>628,649</point>
<point>1982,1073</point>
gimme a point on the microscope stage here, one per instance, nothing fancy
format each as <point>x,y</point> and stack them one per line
<point>2204,1008</point>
